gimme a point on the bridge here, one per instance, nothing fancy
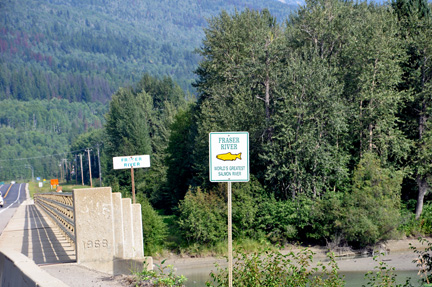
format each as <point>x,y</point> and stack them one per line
<point>64,239</point>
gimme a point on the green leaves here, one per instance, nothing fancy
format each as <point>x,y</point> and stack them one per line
<point>127,123</point>
<point>163,276</point>
<point>274,268</point>
<point>203,217</point>
<point>154,229</point>
<point>306,153</point>
<point>139,122</point>
<point>372,209</point>
<point>41,132</point>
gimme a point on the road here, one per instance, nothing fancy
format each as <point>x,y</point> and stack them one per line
<point>13,195</point>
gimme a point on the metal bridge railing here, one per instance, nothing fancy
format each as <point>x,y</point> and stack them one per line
<point>59,206</point>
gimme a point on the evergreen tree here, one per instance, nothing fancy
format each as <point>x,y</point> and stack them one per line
<point>179,157</point>
<point>139,122</point>
<point>167,99</point>
<point>127,131</point>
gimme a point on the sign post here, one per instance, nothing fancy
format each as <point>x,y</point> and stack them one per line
<point>134,161</point>
<point>229,162</point>
<point>133,185</point>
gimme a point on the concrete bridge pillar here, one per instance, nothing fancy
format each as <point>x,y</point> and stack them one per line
<point>108,231</point>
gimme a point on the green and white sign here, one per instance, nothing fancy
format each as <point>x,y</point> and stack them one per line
<point>134,161</point>
<point>229,156</point>
<point>131,162</point>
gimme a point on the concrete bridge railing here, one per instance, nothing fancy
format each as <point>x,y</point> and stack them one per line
<point>105,229</point>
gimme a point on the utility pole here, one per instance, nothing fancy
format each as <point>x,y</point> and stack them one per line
<point>65,168</point>
<point>82,175</point>
<point>61,171</point>
<point>76,171</point>
<point>100,171</point>
<point>88,153</point>
<point>32,170</point>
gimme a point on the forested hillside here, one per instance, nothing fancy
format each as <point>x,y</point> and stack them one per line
<point>85,50</point>
<point>38,133</point>
<point>337,103</point>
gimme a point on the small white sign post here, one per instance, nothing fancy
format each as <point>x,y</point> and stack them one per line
<point>133,161</point>
<point>229,162</point>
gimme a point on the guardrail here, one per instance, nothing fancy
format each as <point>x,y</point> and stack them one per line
<point>59,206</point>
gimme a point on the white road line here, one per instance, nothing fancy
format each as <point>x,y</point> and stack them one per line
<point>19,193</point>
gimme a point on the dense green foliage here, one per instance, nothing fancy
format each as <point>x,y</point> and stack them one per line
<point>161,276</point>
<point>203,217</point>
<point>424,260</point>
<point>39,134</point>
<point>416,25</point>
<point>268,268</point>
<point>372,209</point>
<point>336,100</point>
<point>154,229</point>
<point>83,50</point>
<point>138,122</point>
<point>331,117</point>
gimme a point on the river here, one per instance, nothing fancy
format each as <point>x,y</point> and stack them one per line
<point>198,276</point>
<point>354,270</point>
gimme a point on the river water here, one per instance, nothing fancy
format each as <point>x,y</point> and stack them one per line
<point>197,276</point>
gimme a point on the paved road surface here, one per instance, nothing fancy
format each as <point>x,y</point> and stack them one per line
<point>13,195</point>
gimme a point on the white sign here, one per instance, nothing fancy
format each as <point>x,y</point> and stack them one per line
<point>135,161</point>
<point>229,156</point>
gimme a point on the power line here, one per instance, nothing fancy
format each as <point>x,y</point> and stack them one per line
<point>45,156</point>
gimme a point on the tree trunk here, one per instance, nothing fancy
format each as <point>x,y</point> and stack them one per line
<point>361,128</point>
<point>422,186</point>
<point>267,107</point>
<point>421,179</point>
<point>267,96</point>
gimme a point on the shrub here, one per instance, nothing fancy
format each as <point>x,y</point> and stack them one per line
<point>282,221</point>
<point>327,218</point>
<point>245,209</point>
<point>268,268</point>
<point>154,229</point>
<point>203,217</point>
<point>163,276</point>
<point>426,219</point>
<point>424,260</point>
<point>409,226</point>
<point>372,209</point>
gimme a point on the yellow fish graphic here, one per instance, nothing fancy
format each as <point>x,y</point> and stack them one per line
<point>228,156</point>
